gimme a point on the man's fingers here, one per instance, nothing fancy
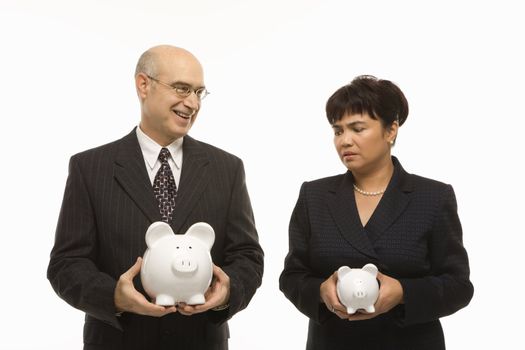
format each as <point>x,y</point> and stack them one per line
<point>218,273</point>
<point>144,307</point>
<point>186,310</point>
<point>380,277</point>
<point>211,290</point>
<point>159,311</point>
<point>133,270</point>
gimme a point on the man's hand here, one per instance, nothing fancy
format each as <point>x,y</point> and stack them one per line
<point>128,299</point>
<point>218,294</point>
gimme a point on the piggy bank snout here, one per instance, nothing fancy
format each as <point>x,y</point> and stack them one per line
<point>184,263</point>
<point>360,289</point>
<point>360,294</point>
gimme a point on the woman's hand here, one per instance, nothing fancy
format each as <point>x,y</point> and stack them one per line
<point>390,295</point>
<point>329,297</point>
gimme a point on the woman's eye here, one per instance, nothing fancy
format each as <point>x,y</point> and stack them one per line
<point>359,129</point>
<point>337,132</point>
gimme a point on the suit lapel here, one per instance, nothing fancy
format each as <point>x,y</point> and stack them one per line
<point>130,172</point>
<point>341,203</point>
<point>193,181</point>
<point>392,204</point>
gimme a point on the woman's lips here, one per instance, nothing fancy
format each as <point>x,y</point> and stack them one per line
<point>349,155</point>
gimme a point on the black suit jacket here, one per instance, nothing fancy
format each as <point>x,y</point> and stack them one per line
<point>107,207</point>
<point>414,235</point>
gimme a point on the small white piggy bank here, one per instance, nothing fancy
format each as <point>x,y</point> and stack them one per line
<point>177,268</point>
<point>358,288</point>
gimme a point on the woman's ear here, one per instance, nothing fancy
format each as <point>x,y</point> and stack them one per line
<point>391,132</point>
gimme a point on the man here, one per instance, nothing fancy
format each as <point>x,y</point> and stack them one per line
<point>113,194</point>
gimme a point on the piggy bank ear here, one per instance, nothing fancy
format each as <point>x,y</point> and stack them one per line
<point>203,232</point>
<point>370,268</point>
<point>156,231</point>
<point>343,270</point>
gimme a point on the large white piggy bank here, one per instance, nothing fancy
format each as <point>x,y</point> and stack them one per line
<point>358,288</point>
<point>177,268</point>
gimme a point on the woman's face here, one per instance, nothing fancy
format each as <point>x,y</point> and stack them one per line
<point>363,144</point>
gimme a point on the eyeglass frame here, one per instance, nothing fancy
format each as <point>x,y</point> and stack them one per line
<point>175,89</point>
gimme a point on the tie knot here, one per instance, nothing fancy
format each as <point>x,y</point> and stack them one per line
<point>164,155</point>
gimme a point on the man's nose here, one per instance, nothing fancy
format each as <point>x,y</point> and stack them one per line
<point>192,101</point>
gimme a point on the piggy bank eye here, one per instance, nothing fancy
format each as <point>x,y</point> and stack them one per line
<point>190,246</point>
<point>177,247</point>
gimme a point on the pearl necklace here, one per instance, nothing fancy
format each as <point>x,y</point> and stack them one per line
<point>365,193</point>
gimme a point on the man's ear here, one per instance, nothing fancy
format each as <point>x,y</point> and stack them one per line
<point>142,85</point>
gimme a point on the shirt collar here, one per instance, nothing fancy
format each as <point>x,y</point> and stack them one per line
<point>151,149</point>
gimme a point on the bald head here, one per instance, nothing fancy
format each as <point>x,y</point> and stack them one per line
<point>155,59</point>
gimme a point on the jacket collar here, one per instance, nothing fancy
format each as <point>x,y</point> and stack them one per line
<point>342,205</point>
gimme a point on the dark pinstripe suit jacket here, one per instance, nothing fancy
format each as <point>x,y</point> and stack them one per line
<point>109,204</point>
<point>414,235</point>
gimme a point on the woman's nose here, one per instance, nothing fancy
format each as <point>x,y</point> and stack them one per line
<point>347,139</point>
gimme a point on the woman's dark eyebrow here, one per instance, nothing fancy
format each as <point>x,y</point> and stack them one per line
<point>356,123</point>
<point>351,124</point>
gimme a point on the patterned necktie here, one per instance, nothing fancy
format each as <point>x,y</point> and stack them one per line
<point>164,187</point>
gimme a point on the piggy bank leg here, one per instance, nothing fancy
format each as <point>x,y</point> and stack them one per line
<point>370,309</point>
<point>164,300</point>
<point>350,311</point>
<point>196,299</point>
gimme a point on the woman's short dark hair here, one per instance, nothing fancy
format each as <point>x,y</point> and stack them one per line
<point>380,99</point>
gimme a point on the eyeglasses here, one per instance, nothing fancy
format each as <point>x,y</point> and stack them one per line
<point>184,90</point>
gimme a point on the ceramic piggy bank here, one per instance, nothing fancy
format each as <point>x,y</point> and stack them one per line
<point>177,268</point>
<point>358,288</point>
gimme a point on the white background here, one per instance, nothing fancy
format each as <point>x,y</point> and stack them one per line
<point>67,85</point>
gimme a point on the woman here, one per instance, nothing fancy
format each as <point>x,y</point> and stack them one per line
<point>375,213</point>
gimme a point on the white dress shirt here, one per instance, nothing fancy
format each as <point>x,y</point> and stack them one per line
<point>150,151</point>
